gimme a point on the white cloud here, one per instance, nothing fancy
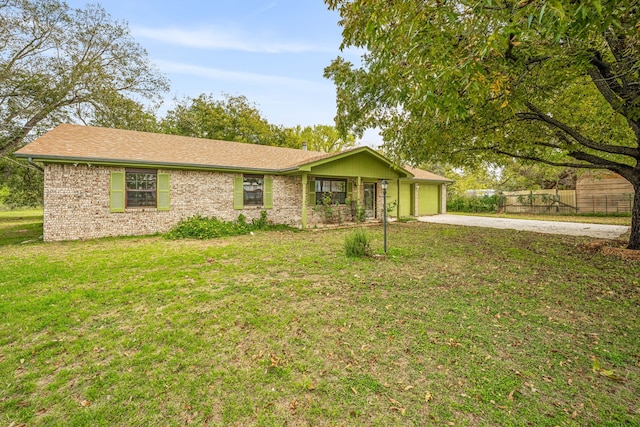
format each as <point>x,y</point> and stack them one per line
<point>238,76</point>
<point>218,38</point>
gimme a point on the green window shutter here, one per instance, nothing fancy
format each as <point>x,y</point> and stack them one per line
<point>238,192</point>
<point>116,194</point>
<point>163,192</point>
<point>350,191</point>
<point>268,193</point>
<point>312,192</point>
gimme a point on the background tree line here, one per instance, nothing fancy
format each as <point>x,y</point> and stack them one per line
<point>59,64</point>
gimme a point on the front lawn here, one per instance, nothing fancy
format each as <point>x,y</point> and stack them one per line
<point>457,326</point>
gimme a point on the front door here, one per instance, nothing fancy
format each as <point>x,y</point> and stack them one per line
<point>370,199</point>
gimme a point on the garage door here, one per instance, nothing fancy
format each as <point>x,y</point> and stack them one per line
<point>428,199</point>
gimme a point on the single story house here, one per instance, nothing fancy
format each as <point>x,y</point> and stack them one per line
<point>102,182</point>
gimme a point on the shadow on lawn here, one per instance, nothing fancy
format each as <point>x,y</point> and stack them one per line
<point>17,229</point>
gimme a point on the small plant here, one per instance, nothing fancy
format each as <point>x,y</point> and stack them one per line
<point>360,214</point>
<point>325,208</point>
<point>391,206</point>
<point>357,243</point>
<point>261,223</point>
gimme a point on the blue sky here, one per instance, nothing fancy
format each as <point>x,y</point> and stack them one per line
<point>271,51</point>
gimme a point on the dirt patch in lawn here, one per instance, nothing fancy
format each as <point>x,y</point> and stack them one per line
<point>615,248</point>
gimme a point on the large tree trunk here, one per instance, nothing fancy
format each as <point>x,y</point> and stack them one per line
<point>634,240</point>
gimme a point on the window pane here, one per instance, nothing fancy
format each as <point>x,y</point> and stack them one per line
<point>253,190</point>
<point>141,198</point>
<point>338,186</point>
<point>141,189</point>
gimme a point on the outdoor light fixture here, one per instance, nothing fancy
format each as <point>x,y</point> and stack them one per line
<point>384,184</point>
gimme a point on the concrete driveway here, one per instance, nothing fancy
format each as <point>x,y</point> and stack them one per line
<point>600,231</point>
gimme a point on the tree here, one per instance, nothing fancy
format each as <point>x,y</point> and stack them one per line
<point>556,82</point>
<point>60,64</point>
<point>234,118</point>
<point>324,138</point>
<point>120,112</point>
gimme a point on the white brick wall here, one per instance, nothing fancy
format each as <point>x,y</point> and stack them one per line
<point>76,202</point>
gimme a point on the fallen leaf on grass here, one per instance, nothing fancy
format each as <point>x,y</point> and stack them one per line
<point>607,373</point>
<point>85,403</point>
<point>354,390</point>
<point>409,387</point>
<point>428,397</point>
<point>399,409</point>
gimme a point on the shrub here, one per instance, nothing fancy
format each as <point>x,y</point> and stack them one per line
<point>464,203</point>
<point>199,227</point>
<point>357,243</point>
<point>361,214</point>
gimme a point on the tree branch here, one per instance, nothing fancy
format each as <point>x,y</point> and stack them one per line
<point>539,115</point>
<point>547,162</point>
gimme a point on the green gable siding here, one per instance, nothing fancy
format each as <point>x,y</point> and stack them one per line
<point>361,164</point>
<point>406,199</point>
<point>428,199</point>
<point>392,197</point>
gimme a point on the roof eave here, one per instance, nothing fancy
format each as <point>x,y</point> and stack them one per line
<point>134,163</point>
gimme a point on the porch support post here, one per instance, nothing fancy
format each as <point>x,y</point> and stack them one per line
<point>304,200</point>
<point>398,199</point>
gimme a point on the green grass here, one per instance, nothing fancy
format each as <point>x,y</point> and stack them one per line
<point>20,226</point>
<point>456,326</point>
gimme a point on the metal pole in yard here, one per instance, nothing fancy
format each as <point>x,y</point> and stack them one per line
<point>384,185</point>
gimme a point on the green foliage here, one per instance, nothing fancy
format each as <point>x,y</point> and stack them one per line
<point>360,215</point>
<point>59,63</point>
<point>471,82</point>
<point>234,118</point>
<point>21,185</point>
<point>326,208</point>
<point>391,207</point>
<point>323,138</point>
<point>357,243</point>
<point>464,203</point>
<point>120,112</point>
<point>199,227</point>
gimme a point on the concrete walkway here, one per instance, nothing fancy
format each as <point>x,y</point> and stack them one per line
<point>600,231</point>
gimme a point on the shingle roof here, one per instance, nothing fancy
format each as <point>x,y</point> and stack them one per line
<point>86,143</point>
<point>421,174</point>
<point>69,142</point>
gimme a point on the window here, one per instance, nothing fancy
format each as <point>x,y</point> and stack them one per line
<point>252,187</point>
<point>252,190</point>
<point>336,189</point>
<point>141,188</point>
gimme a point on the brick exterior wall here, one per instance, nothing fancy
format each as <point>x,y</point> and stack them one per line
<point>76,202</point>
